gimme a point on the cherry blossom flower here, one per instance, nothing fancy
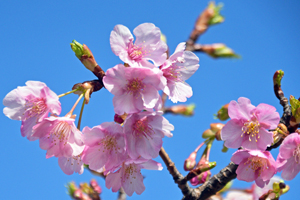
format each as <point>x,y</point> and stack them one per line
<point>129,176</point>
<point>105,146</point>
<point>254,165</point>
<point>248,124</point>
<point>148,45</point>
<point>71,165</point>
<point>178,68</point>
<point>258,192</point>
<point>144,132</point>
<point>31,104</point>
<point>59,136</point>
<point>289,157</point>
<point>135,89</point>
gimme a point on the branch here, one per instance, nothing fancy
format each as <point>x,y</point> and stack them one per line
<point>177,176</point>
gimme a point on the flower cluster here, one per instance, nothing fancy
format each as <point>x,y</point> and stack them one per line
<point>118,150</point>
<point>247,128</point>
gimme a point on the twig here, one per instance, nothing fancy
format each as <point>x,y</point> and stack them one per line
<point>177,176</point>
<point>121,195</point>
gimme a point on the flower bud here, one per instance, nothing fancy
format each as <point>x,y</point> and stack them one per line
<point>190,162</point>
<point>223,113</point>
<point>95,186</point>
<point>84,54</point>
<point>278,77</point>
<point>201,178</point>
<point>219,51</point>
<point>215,127</point>
<point>185,110</point>
<point>71,187</point>
<point>218,135</point>
<point>225,149</point>
<point>118,119</point>
<point>208,134</point>
<point>216,18</point>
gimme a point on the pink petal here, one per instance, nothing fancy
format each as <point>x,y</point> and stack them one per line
<point>231,134</point>
<point>114,81</point>
<point>189,66</point>
<point>288,145</point>
<point>127,103</point>
<point>244,172</point>
<point>26,128</point>
<point>119,39</point>
<point>92,135</point>
<point>267,115</point>
<point>265,140</point>
<point>179,91</point>
<point>133,182</point>
<point>114,180</point>
<point>290,169</point>
<point>239,156</point>
<point>241,109</point>
<point>150,96</point>
<point>152,165</point>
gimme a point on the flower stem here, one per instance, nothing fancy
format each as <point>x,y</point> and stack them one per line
<point>70,92</point>
<point>70,113</point>
<point>80,116</point>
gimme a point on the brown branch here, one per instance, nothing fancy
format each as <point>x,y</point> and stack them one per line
<point>177,176</point>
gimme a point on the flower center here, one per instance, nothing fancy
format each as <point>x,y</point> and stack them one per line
<point>60,132</point>
<point>296,154</point>
<point>75,160</point>
<point>130,172</point>
<point>251,128</point>
<point>34,107</point>
<point>109,143</point>
<point>135,86</point>
<point>135,52</point>
<point>172,73</point>
<point>257,163</point>
<point>142,128</point>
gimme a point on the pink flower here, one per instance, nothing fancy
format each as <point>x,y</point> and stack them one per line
<point>148,45</point>
<point>105,146</point>
<point>129,176</point>
<point>71,165</point>
<point>201,178</point>
<point>289,157</point>
<point>144,132</point>
<point>178,68</point>
<point>135,89</point>
<point>31,104</point>
<point>254,165</point>
<point>59,136</point>
<point>258,192</point>
<point>248,124</point>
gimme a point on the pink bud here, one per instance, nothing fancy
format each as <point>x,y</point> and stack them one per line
<point>190,162</point>
<point>118,119</point>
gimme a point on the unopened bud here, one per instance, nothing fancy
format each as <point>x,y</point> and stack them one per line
<point>223,113</point>
<point>278,77</point>
<point>71,187</point>
<point>185,110</point>
<point>118,119</point>
<point>190,162</point>
<point>95,186</point>
<point>215,127</point>
<point>217,17</point>
<point>218,135</point>
<point>84,54</point>
<point>201,178</point>
<point>219,51</point>
<point>208,134</point>
<point>283,129</point>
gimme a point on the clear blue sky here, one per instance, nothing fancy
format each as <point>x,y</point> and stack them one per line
<point>35,37</point>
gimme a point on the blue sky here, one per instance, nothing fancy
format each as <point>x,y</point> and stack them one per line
<point>35,38</point>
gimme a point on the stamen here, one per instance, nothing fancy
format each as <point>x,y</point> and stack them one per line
<point>251,128</point>
<point>296,154</point>
<point>173,73</point>
<point>135,86</point>
<point>257,163</point>
<point>109,143</point>
<point>136,52</point>
<point>61,132</point>
<point>34,107</point>
<point>130,170</point>
<point>143,129</point>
